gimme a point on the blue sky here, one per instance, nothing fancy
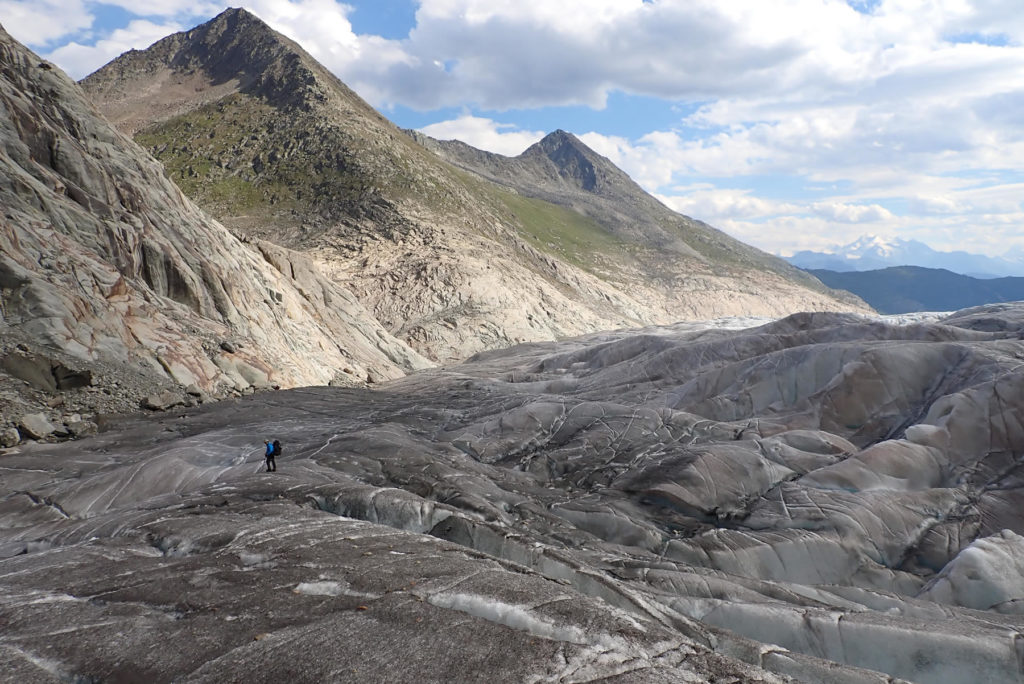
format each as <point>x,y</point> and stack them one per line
<point>790,124</point>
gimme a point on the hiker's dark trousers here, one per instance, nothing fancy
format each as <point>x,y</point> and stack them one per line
<point>271,466</point>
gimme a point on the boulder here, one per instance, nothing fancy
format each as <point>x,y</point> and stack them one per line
<point>45,373</point>
<point>196,395</point>
<point>256,377</point>
<point>69,378</point>
<point>9,437</point>
<point>161,401</point>
<point>81,428</point>
<point>35,425</point>
<point>32,369</point>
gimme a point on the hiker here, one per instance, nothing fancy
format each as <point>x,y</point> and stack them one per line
<point>273,450</point>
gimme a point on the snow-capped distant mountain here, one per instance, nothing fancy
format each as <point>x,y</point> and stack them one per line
<point>871,252</point>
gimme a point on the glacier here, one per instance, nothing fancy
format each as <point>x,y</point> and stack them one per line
<point>820,498</point>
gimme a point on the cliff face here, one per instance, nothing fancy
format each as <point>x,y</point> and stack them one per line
<point>104,263</point>
<point>449,257</point>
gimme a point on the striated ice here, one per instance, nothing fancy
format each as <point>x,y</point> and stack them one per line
<point>826,497</point>
<point>516,617</point>
<point>318,588</point>
<point>987,574</point>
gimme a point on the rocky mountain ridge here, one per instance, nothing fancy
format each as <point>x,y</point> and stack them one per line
<point>107,269</point>
<point>562,170</point>
<point>446,259</point>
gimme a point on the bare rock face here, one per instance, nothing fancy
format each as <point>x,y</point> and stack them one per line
<point>822,498</point>
<point>451,260</point>
<point>108,273</point>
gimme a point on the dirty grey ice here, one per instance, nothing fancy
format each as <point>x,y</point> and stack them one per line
<point>826,497</point>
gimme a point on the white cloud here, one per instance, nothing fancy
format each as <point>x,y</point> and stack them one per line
<point>718,205</point>
<point>484,134</point>
<point>910,104</point>
<point>40,22</point>
<point>166,8</point>
<point>80,60</point>
<point>931,205</point>
<point>852,213</point>
<point>535,52</point>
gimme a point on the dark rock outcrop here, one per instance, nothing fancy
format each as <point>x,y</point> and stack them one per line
<point>44,373</point>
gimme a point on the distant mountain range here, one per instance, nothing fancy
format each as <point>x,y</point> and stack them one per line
<point>902,289</point>
<point>871,252</point>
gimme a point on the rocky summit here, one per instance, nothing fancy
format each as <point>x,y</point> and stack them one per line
<point>451,257</point>
<point>823,498</point>
<point>114,286</point>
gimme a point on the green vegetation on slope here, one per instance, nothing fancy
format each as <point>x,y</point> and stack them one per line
<point>562,232</point>
<point>239,154</point>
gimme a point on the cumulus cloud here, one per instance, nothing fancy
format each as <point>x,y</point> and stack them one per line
<point>535,53</point>
<point>851,213</point>
<point>934,205</point>
<point>722,204</point>
<point>41,22</point>
<point>890,103</point>
<point>484,134</point>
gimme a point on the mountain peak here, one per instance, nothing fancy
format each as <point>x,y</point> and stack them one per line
<point>236,14</point>
<point>874,244</point>
<point>234,50</point>
<point>573,159</point>
<point>560,142</point>
<point>233,18</point>
<point>560,137</point>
